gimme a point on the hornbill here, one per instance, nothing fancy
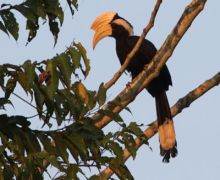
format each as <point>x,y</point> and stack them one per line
<point>112,25</point>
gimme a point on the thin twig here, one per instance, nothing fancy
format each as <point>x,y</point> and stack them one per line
<point>136,47</point>
<point>24,100</point>
<point>181,104</point>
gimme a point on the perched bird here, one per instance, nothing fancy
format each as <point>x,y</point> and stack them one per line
<point>112,25</point>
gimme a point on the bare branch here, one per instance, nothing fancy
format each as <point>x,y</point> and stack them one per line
<point>136,47</point>
<point>181,104</point>
<point>152,69</point>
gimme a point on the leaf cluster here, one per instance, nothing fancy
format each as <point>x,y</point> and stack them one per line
<point>55,86</point>
<point>48,10</point>
<point>57,93</point>
<point>60,92</point>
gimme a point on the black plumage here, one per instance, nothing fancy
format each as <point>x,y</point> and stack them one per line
<point>144,55</point>
<point>110,24</point>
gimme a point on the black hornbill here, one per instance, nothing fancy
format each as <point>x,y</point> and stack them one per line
<point>111,24</point>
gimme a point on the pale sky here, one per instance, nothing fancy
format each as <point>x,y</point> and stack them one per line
<point>195,59</point>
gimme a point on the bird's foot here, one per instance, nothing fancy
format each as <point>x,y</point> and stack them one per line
<point>128,85</point>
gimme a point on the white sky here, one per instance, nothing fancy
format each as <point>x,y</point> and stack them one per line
<point>195,59</point>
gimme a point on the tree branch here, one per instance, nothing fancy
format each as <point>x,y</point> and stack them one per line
<point>136,47</point>
<point>181,104</point>
<point>152,69</point>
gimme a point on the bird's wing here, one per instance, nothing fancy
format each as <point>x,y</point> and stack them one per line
<point>147,48</point>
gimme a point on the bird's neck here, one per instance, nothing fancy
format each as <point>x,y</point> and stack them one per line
<point>122,48</point>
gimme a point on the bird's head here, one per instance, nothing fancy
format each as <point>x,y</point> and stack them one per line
<point>110,24</point>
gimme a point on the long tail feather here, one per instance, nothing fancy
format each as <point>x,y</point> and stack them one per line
<point>167,137</point>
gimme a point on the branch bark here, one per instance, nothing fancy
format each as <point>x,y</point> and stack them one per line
<point>136,47</point>
<point>181,104</point>
<point>152,69</point>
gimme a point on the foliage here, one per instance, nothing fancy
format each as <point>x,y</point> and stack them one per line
<point>59,94</point>
<point>57,91</point>
<point>48,10</point>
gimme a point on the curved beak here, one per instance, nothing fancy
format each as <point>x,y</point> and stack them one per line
<point>102,27</point>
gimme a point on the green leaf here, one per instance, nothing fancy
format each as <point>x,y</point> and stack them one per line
<point>31,142</point>
<point>117,149</point>
<point>18,140</point>
<point>116,117</point>
<point>82,50</point>
<point>72,148</point>
<point>3,28</point>
<point>106,139</point>
<point>36,7</point>
<point>39,99</point>
<point>2,76</point>
<point>32,26</point>
<point>61,107</point>
<point>26,11</point>
<point>135,129</point>
<point>96,177</point>
<point>10,86</point>
<point>50,110</point>
<point>65,67</point>
<point>3,102</point>
<point>47,143</point>
<point>92,99</point>
<point>31,9</point>
<point>76,56</point>
<point>79,143</point>
<point>7,173</point>
<point>72,171</point>
<point>72,3</point>
<point>54,161</point>
<point>52,84</point>
<point>10,23</point>
<point>54,9</point>
<point>121,170</point>
<point>90,132</point>
<point>25,139</point>
<point>130,144</point>
<point>61,147</point>
<point>44,94</point>
<point>101,95</point>
<point>29,70</point>
<point>81,91</point>
<point>23,81</point>
<point>71,104</point>
<point>54,28</point>
<point>128,109</point>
